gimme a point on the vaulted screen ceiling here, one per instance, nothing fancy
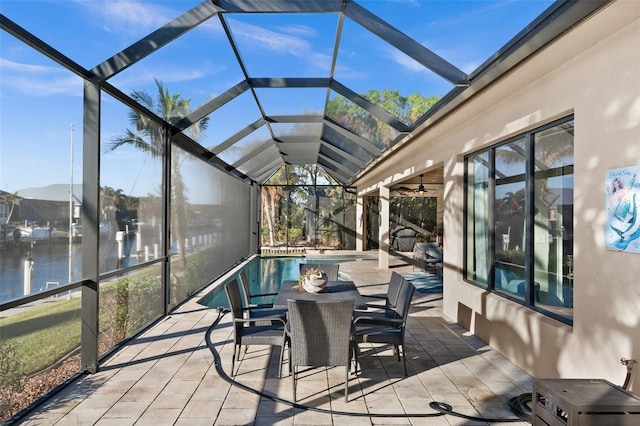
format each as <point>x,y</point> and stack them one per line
<point>327,82</point>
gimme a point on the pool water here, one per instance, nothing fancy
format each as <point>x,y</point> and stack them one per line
<point>265,275</point>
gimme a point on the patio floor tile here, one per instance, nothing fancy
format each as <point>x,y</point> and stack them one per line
<point>167,376</point>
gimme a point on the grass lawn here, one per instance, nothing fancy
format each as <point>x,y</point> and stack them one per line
<point>43,334</point>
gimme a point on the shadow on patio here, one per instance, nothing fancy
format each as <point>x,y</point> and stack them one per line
<point>169,375</point>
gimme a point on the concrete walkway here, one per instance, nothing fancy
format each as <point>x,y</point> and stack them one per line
<point>167,376</point>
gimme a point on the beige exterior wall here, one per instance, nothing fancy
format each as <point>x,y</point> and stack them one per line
<point>593,72</point>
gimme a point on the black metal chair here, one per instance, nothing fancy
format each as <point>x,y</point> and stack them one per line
<point>331,270</point>
<point>390,330</point>
<point>321,335</point>
<point>247,332</point>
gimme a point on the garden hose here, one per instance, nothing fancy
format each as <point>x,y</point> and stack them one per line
<point>440,407</point>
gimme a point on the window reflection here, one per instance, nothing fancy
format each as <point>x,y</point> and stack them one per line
<point>531,235</point>
<point>553,230</point>
<point>510,220</point>
<point>477,259</point>
<point>413,220</point>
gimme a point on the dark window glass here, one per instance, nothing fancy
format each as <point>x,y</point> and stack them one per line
<point>519,219</point>
<point>510,219</point>
<point>553,224</point>
<point>477,243</point>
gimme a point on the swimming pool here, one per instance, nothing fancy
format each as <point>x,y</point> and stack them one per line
<point>266,276</point>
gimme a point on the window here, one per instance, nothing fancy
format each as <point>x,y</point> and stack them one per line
<point>519,219</point>
<point>4,212</point>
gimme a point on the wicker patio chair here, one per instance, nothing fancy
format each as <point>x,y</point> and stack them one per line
<point>321,334</point>
<point>247,332</point>
<point>391,330</point>
<point>331,270</point>
<point>388,300</point>
<point>389,309</point>
<point>259,310</point>
<point>250,296</point>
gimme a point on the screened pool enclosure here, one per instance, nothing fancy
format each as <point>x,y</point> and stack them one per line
<point>151,146</point>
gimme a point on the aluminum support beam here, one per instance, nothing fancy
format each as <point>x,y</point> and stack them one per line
<point>275,6</point>
<point>254,153</point>
<point>238,136</point>
<point>90,223</point>
<point>288,82</point>
<point>358,140</point>
<point>351,158</point>
<point>154,41</point>
<point>405,44</point>
<point>212,105</point>
<point>372,109</point>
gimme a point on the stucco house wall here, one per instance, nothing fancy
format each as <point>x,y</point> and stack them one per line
<point>593,72</point>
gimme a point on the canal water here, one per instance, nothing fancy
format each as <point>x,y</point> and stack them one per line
<point>48,262</point>
<point>50,266</point>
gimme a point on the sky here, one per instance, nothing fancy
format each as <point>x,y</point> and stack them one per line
<point>41,102</point>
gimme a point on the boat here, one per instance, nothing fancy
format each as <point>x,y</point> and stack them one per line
<point>104,229</point>
<point>33,232</point>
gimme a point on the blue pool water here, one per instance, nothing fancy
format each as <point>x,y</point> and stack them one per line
<point>265,276</point>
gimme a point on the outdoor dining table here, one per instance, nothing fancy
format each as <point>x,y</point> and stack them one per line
<point>334,291</point>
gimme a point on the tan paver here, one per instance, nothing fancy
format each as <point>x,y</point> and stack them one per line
<point>167,376</point>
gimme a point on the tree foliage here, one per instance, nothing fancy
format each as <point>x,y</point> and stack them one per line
<point>11,378</point>
<point>303,201</point>
<point>150,137</point>
<point>9,198</point>
<point>299,206</point>
<point>406,108</point>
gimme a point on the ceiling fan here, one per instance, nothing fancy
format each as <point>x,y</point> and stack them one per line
<point>420,190</point>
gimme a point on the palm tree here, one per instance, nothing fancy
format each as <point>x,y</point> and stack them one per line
<point>271,196</point>
<point>149,137</point>
<point>8,198</point>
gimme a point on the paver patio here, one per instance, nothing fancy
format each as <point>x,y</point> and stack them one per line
<point>167,375</point>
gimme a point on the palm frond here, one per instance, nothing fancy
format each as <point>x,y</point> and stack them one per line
<point>130,138</point>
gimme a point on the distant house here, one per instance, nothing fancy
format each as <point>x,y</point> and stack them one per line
<point>5,207</point>
<point>47,204</point>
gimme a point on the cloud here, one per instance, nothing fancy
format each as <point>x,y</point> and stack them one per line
<point>299,30</point>
<point>347,73</point>
<point>472,16</point>
<point>145,74</point>
<point>127,16</point>
<point>412,66</point>
<point>405,61</point>
<point>39,80</point>
<point>262,39</point>
<point>414,3</point>
<point>288,41</point>
<point>7,65</point>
